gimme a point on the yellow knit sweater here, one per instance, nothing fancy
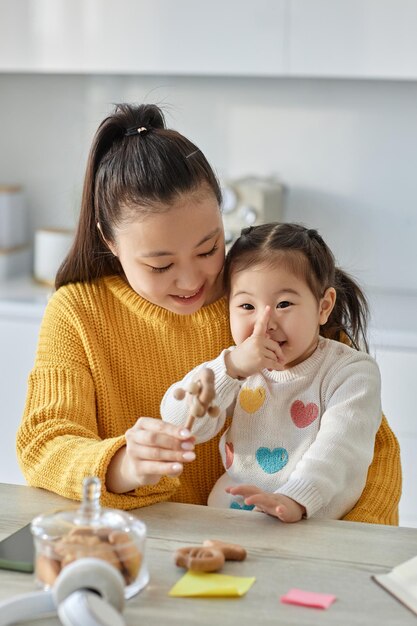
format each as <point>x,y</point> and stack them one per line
<point>105,357</point>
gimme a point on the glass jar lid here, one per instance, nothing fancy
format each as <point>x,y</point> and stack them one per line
<point>88,517</point>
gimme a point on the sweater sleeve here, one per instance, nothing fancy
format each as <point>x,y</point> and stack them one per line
<point>332,472</point>
<point>58,441</point>
<point>226,389</point>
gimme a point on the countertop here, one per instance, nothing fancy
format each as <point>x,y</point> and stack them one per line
<point>314,555</point>
<point>23,297</point>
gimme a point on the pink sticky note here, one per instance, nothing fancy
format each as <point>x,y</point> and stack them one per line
<point>308,598</point>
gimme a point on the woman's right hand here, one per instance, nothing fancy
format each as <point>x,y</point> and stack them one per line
<point>153,449</point>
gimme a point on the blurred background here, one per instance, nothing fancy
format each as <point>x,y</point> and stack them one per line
<point>307,110</point>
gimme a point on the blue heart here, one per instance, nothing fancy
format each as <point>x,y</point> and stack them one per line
<point>243,507</point>
<point>272,461</point>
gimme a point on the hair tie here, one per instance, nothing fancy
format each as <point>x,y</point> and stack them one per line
<point>135,131</point>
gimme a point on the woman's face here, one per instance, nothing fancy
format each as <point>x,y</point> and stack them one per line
<point>174,258</point>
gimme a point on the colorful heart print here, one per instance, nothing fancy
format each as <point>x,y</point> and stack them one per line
<point>230,453</point>
<point>252,399</point>
<point>242,507</point>
<point>303,414</point>
<point>272,461</point>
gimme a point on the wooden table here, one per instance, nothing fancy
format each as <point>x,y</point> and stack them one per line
<point>328,557</point>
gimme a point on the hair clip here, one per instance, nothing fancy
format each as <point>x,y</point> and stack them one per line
<point>192,153</point>
<point>135,131</point>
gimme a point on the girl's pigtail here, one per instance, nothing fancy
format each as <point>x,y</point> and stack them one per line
<point>349,318</point>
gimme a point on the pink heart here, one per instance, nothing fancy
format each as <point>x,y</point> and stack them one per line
<point>229,454</point>
<point>303,414</point>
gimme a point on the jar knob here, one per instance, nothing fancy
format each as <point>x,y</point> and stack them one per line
<point>90,505</point>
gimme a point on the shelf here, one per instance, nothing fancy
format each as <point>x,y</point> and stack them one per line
<point>23,298</point>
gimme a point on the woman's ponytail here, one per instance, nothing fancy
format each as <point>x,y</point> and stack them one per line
<point>136,167</point>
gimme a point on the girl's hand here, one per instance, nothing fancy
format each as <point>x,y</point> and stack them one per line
<point>153,449</point>
<point>284,508</point>
<point>256,353</point>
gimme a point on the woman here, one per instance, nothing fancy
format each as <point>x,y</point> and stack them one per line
<point>139,302</point>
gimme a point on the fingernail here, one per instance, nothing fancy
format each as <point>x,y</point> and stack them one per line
<point>187,445</point>
<point>188,456</point>
<point>185,433</point>
<point>176,467</point>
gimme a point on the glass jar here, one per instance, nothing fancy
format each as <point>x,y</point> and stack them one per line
<point>90,531</point>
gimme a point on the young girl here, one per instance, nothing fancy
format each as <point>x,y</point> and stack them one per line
<point>139,303</point>
<point>306,407</point>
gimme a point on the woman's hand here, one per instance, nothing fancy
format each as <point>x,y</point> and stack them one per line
<point>256,353</point>
<point>153,449</point>
<point>284,508</point>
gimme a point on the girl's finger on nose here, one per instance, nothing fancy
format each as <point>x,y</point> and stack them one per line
<point>261,324</point>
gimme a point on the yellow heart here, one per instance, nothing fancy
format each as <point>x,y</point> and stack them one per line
<point>252,399</point>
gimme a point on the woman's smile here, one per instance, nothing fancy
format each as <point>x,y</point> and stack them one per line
<point>191,299</point>
<point>174,258</point>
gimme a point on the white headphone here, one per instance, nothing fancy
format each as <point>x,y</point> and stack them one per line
<point>87,592</point>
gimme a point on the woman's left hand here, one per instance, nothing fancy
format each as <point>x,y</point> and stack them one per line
<point>284,508</point>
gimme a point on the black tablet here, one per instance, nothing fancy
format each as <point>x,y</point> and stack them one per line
<point>17,551</point>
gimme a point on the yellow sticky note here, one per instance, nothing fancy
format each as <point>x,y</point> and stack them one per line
<point>200,584</point>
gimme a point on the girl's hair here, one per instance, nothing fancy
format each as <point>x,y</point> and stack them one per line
<point>136,167</point>
<point>304,253</point>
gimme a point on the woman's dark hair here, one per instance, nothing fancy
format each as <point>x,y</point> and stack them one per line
<point>304,253</point>
<point>136,166</point>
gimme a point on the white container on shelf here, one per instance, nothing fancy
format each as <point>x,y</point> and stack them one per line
<point>15,261</point>
<point>13,217</point>
<point>51,247</point>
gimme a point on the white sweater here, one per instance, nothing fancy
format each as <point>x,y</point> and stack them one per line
<point>307,432</point>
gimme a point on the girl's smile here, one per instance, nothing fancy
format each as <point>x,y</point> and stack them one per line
<point>295,315</point>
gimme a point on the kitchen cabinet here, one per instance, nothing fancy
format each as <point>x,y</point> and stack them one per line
<point>18,340</point>
<point>394,345</point>
<point>399,380</point>
<point>21,309</point>
<point>237,37</point>
<point>306,38</point>
<point>353,38</point>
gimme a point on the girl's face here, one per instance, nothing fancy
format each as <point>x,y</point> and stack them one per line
<point>174,258</point>
<point>295,313</point>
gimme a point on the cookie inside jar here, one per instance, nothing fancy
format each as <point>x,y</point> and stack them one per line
<point>90,531</point>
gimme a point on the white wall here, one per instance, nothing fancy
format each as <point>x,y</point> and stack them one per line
<point>346,150</point>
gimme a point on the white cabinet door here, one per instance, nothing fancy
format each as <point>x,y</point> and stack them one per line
<point>18,340</point>
<point>399,385</point>
<point>353,38</point>
<point>232,37</point>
